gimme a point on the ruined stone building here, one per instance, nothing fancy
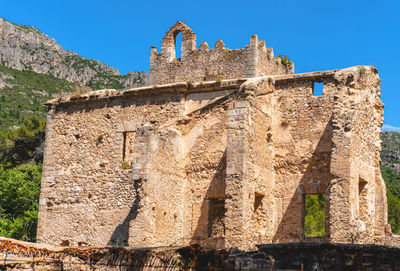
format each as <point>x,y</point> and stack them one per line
<point>219,149</point>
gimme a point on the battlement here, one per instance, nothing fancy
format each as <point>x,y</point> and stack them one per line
<point>204,64</point>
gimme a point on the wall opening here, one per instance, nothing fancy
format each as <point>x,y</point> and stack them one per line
<point>123,146</point>
<point>362,199</point>
<point>318,88</point>
<point>314,215</point>
<point>178,45</point>
<point>128,141</point>
<point>216,215</point>
<point>258,212</point>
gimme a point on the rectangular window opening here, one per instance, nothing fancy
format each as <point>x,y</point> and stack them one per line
<point>128,142</point>
<point>258,214</point>
<point>314,215</point>
<point>124,146</point>
<point>257,202</point>
<point>216,215</point>
<point>318,88</point>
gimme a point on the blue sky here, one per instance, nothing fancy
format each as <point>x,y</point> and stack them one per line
<point>316,35</point>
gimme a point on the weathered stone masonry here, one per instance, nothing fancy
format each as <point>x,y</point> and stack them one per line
<point>17,255</point>
<point>204,64</point>
<point>219,163</point>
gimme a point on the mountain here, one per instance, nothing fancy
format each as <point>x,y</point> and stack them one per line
<point>22,94</point>
<point>390,154</point>
<point>35,68</point>
<point>26,48</point>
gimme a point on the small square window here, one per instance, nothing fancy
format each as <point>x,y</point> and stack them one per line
<point>318,89</point>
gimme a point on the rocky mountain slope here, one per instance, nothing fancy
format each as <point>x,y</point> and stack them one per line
<point>22,94</point>
<point>390,154</point>
<point>26,48</point>
<point>35,68</point>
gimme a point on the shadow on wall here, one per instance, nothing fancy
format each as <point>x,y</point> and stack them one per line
<point>315,180</point>
<point>210,228</point>
<point>120,235</point>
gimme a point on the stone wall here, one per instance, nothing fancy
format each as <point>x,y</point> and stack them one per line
<point>132,169</point>
<point>220,164</point>
<point>87,191</point>
<point>301,136</point>
<point>285,141</point>
<point>205,64</point>
<point>17,255</point>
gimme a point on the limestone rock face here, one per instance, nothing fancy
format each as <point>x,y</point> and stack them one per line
<point>26,48</point>
<point>391,150</point>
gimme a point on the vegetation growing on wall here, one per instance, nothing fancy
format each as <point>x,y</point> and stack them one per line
<point>285,61</point>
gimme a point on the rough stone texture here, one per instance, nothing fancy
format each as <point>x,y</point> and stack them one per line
<point>17,255</point>
<point>204,64</point>
<point>222,164</point>
<point>26,48</point>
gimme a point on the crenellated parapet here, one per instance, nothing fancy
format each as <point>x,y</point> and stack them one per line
<point>205,64</point>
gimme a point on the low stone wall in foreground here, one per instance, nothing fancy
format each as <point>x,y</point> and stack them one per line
<point>18,255</point>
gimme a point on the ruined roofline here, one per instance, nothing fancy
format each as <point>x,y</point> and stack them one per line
<point>198,87</point>
<point>320,74</point>
<point>181,87</point>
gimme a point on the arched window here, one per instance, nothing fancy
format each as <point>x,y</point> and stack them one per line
<point>178,44</point>
<point>171,47</point>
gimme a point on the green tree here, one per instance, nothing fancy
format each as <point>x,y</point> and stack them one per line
<point>392,180</point>
<point>21,145</point>
<point>19,196</point>
<point>20,176</point>
<point>314,220</point>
